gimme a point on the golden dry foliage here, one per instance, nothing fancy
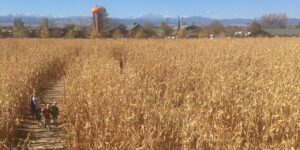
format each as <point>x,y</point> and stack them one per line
<point>185,94</point>
<point>26,65</point>
<point>172,94</point>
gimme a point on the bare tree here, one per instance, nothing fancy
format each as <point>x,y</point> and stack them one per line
<point>216,27</point>
<point>44,28</point>
<point>105,19</point>
<point>20,30</point>
<point>181,34</point>
<point>274,20</point>
<point>165,29</point>
<point>298,26</point>
<point>57,32</point>
<point>254,26</point>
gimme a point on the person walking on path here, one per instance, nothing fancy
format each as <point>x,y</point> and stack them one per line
<point>37,105</point>
<point>54,113</point>
<point>47,116</point>
<point>32,106</point>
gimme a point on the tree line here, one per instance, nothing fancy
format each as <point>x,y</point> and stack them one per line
<point>147,30</point>
<point>44,30</point>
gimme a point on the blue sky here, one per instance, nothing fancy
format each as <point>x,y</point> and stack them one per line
<point>169,8</point>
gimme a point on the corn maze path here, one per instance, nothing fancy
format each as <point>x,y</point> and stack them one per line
<point>41,138</point>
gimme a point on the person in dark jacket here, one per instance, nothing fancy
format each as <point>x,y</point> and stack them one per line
<point>32,108</point>
<point>37,105</point>
<point>54,113</point>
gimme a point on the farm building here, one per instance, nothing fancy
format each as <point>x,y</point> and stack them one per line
<point>133,29</point>
<point>192,31</point>
<point>117,31</point>
<point>280,32</point>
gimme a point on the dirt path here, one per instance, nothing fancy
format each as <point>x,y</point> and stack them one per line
<point>41,138</point>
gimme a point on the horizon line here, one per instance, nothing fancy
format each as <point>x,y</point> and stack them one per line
<point>129,17</point>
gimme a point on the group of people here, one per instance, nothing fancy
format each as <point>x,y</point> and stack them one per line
<point>48,112</point>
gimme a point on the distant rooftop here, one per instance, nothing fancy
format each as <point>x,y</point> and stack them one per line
<point>133,26</point>
<point>283,32</point>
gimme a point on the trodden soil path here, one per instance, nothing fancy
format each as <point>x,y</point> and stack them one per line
<point>41,138</point>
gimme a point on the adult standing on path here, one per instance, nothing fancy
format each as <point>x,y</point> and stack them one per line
<point>37,105</point>
<point>32,106</point>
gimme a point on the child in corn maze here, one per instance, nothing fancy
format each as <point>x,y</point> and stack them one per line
<point>54,113</point>
<point>47,116</point>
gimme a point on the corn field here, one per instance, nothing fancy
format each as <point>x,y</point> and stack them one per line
<point>162,94</point>
<point>26,65</point>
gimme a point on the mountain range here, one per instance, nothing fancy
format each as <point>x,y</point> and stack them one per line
<point>31,20</point>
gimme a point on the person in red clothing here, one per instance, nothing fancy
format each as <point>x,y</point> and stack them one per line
<point>47,116</point>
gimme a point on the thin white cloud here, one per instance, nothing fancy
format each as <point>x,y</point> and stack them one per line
<point>208,11</point>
